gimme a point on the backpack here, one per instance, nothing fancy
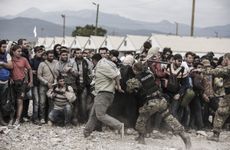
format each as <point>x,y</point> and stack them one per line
<point>173,83</point>
<point>4,72</point>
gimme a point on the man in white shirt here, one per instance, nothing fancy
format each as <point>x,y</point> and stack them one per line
<point>107,77</point>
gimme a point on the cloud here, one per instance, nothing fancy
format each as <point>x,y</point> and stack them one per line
<point>208,12</point>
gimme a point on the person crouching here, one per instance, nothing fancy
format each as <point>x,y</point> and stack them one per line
<point>63,96</point>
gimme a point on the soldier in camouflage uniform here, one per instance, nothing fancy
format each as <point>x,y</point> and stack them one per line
<point>152,102</point>
<point>223,110</point>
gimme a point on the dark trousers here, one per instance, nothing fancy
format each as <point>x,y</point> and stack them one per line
<point>98,113</point>
<point>83,104</point>
<point>209,108</point>
<point>62,116</point>
<point>196,112</point>
<point>181,113</point>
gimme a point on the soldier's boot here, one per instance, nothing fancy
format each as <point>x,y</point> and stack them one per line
<point>2,122</point>
<point>141,138</point>
<point>214,137</point>
<point>186,139</point>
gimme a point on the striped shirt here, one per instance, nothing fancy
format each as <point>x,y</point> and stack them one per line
<point>59,96</point>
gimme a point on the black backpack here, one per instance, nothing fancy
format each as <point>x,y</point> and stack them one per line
<point>173,83</point>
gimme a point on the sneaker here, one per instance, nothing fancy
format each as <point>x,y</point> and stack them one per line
<point>25,119</point>
<point>37,122</point>
<point>10,124</point>
<point>50,123</point>
<point>6,131</point>
<point>121,130</point>
<point>42,121</point>
<point>16,124</point>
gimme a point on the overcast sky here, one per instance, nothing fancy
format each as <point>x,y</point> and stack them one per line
<point>208,12</point>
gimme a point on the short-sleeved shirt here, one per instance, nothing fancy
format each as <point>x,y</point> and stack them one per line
<point>19,66</point>
<point>8,58</point>
<point>105,73</point>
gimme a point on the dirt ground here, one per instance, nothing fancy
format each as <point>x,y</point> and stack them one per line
<point>33,137</point>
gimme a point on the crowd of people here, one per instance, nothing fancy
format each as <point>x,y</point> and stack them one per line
<point>75,86</point>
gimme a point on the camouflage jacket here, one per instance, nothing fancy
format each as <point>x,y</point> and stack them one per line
<point>223,72</point>
<point>208,85</point>
<point>218,87</point>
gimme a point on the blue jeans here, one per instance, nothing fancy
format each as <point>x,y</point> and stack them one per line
<point>36,101</point>
<point>44,105</point>
<point>61,116</point>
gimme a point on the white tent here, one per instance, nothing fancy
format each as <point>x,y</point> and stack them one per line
<point>198,45</point>
<point>94,42</point>
<point>81,40</point>
<point>58,40</point>
<point>68,40</point>
<point>112,42</point>
<point>133,43</point>
<point>49,43</point>
<point>40,41</point>
<point>138,41</point>
<point>178,44</point>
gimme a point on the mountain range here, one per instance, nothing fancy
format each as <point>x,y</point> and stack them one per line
<point>22,24</point>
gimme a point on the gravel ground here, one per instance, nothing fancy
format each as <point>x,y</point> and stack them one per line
<point>32,137</point>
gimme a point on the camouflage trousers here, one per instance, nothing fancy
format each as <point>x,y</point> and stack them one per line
<point>153,106</point>
<point>222,113</point>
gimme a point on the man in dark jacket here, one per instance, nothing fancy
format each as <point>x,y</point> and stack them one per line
<point>179,89</point>
<point>35,90</point>
<point>81,69</point>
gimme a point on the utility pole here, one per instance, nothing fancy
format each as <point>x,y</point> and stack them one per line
<point>176,28</point>
<point>63,16</point>
<point>42,29</point>
<point>96,25</point>
<point>193,16</point>
<point>216,33</point>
